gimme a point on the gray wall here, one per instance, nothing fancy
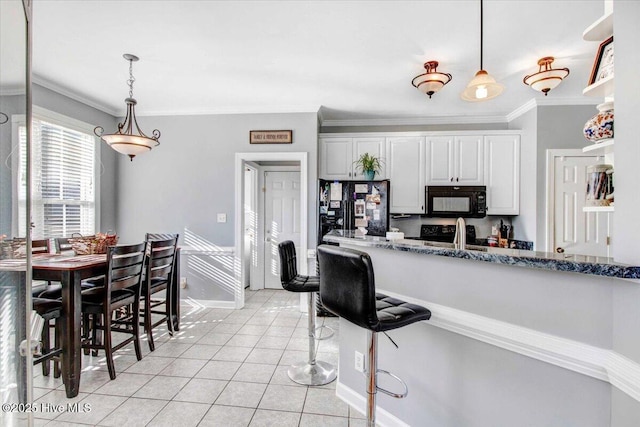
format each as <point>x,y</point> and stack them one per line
<point>626,232</point>
<point>180,186</point>
<point>53,101</point>
<point>525,226</point>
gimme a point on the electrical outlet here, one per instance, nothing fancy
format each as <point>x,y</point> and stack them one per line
<point>183,282</point>
<point>222,217</point>
<point>359,362</point>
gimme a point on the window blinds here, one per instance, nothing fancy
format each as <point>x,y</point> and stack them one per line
<point>63,181</point>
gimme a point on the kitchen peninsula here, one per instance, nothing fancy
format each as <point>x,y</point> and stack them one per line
<point>516,337</point>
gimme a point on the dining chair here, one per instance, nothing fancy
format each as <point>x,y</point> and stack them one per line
<point>121,288</point>
<point>38,286</point>
<point>158,277</point>
<point>49,310</point>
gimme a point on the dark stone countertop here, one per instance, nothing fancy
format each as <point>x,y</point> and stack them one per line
<point>599,266</point>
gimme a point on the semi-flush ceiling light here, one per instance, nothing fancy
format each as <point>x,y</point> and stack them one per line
<point>431,81</point>
<point>125,141</point>
<point>548,78</point>
<point>482,87</point>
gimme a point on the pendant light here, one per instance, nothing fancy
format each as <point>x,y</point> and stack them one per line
<point>128,140</point>
<point>431,81</point>
<point>483,86</point>
<point>546,78</point>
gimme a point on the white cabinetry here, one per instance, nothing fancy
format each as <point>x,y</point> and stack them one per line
<point>502,174</point>
<point>455,160</point>
<point>337,156</point>
<point>406,170</point>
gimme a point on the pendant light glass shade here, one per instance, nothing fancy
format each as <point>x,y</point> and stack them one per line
<point>129,139</point>
<point>431,81</point>
<point>482,87</point>
<point>546,78</point>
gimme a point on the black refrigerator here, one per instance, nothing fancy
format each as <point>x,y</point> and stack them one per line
<point>349,205</point>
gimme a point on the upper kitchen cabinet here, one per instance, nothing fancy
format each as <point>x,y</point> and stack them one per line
<point>337,156</point>
<point>502,174</point>
<point>374,146</point>
<point>406,170</point>
<point>455,160</point>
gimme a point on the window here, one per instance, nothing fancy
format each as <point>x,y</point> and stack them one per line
<point>64,179</point>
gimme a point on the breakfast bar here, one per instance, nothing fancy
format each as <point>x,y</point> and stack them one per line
<point>514,336</point>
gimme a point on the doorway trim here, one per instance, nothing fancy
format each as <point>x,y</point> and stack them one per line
<point>552,154</point>
<point>240,160</point>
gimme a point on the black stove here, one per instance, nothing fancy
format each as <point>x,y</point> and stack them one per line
<point>444,233</point>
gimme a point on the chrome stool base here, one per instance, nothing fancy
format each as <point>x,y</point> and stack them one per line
<point>320,373</point>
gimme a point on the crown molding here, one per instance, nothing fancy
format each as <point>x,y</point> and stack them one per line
<point>69,93</point>
<point>545,102</point>
<point>270,109</point>
<point>439,120</point>
<point>13,92</point>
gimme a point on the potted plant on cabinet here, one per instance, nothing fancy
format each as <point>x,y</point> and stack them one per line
<point>369,164</point>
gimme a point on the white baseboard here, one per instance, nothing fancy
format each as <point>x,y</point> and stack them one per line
<point>359,403</point>
<point>596,362</point>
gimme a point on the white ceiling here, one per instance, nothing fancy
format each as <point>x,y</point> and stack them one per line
<point>356,59</point>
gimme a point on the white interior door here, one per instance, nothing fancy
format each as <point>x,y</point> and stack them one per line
<point>281,220</point>
<point>575,231</point>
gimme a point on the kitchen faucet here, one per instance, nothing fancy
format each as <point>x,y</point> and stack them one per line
<point>460,238</point>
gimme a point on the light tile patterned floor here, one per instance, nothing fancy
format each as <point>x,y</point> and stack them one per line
<point>223,368</point>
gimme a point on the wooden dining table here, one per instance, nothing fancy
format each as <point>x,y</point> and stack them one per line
<point>70,271</point>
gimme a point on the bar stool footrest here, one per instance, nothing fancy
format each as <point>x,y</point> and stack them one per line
<point>390,393</point>
<point>320,337</point>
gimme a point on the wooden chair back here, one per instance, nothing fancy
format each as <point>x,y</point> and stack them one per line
<point>162,255</point>
<point>124,267</point>
<point>40,246</point>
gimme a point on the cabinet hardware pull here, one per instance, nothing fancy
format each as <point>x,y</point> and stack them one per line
<point>451,179</point>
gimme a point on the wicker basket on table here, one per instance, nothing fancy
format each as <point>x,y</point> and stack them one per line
<point>95,244</point>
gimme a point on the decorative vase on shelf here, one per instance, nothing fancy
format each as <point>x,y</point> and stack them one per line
<point>600,126</point>
<point>369,175</point>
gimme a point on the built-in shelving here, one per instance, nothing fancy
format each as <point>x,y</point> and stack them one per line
<point>603,147</point>
<point>601,88</point>
<point>598,209</point>
<point>599,30</point>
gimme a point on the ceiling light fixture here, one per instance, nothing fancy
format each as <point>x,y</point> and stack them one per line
<point>483,86</point>
<point>125,141</point>
<point>548,78</point>
<point>431,81</point>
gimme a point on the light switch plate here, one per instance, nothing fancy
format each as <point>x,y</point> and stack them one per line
<point>222,217</point>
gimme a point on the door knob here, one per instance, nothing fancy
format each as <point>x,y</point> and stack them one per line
<point>560,250</point>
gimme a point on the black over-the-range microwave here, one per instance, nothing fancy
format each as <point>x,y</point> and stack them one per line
<point>456,201</point>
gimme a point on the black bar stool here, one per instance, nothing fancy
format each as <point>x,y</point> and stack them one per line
<point>312,372</point>
<point>347,288</point>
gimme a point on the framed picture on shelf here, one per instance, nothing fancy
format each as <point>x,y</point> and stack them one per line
<point>603,64</point>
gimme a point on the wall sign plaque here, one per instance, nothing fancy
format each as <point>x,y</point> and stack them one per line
<point>270,137</point>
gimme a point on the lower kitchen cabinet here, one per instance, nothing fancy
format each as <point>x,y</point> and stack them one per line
<point>502,174</point>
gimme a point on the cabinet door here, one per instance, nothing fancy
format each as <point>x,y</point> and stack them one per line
<point>469,160</point>
<point>373,146</point>
<point>502,174</point>
<point>335,158</point>
<point>440,161</point>
<point>405,169</point>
